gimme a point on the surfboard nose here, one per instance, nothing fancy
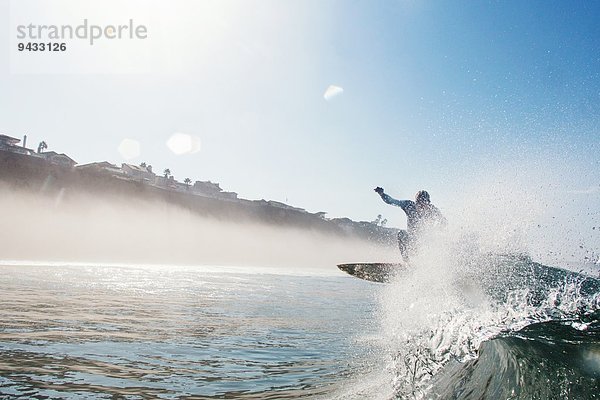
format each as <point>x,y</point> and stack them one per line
<point>374,272</point>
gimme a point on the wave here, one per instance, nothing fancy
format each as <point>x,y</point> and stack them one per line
<point>490,327</point>
<point>546,360</point>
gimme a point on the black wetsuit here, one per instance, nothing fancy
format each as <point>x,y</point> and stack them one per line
<point>419,217</point>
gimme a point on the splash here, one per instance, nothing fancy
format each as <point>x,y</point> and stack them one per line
<point>456,298</point>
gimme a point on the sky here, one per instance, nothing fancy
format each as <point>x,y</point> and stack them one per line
<point>444,96</point>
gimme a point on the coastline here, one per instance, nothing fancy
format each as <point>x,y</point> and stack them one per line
<point>114,219</point>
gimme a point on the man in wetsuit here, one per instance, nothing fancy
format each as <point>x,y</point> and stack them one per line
<point>421,215</point>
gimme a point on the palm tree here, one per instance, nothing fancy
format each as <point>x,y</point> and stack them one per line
<point>42,146</point>
<point>143,165</point>
<point>167,172</point>
<point>377,220</point>
<point>187,182</point>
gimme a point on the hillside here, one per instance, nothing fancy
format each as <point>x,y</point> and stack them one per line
<point>37,175</point>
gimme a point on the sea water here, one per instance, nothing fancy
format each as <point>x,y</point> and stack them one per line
<point>469,329</point>
<point>83,331</point>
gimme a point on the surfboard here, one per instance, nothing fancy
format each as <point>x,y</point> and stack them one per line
<point>374,272</point>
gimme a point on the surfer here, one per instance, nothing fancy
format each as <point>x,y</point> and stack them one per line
<point>421,215</point>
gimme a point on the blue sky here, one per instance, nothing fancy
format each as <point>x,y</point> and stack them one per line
<point>436,94</point>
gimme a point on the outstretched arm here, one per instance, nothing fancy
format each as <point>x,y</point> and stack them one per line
<point>390,200</point>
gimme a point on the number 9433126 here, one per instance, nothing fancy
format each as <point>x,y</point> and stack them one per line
<point>34,46</point>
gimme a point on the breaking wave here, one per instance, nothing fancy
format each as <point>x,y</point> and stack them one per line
<point>486,327</point>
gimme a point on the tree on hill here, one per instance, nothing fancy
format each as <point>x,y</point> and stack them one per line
<point>42,146</point>
<point>380,221</point>
<point>143,165</point>
<point>187,182</point>
<point>167,172</point>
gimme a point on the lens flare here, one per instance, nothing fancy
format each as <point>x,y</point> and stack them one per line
<point>182,143</point>
<point>332,92</point>
<point>129,149</point>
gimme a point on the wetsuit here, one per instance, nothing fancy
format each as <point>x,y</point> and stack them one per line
<point>419,217</point>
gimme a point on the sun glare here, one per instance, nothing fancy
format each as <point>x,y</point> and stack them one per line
<point>181,143</point>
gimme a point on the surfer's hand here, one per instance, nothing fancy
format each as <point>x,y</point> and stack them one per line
<point>379,190</point>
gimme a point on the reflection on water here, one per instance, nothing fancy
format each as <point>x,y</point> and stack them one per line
<point>177,332</point>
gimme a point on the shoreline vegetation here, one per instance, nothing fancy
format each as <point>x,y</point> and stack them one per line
<point>41,176</point>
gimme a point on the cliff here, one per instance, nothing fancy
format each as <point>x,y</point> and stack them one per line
<point>38,175</point>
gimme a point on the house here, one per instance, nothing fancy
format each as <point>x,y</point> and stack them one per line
<point>343,222</point>
<point>211,189</point>
<point>228,195</point>
<point>207,188</point>
<point>279,204</point>
<point>56,158</point>
<point>102,166</point>
<point>165,182</point>
<point>9,143</point>
<point>179,186</point>
<point>138,173</point>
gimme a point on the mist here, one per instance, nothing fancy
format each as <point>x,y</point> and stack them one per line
<point>533,206</point>
<point>78,227</point>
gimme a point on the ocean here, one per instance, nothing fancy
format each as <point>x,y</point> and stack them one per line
<point>80,331</point>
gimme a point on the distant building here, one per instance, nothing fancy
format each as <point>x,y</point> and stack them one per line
<point>279,204</point>
<point>211,189</point>
<point>207,188</point>
<point>102,166</point>
<point>163,182</point>
<point>180,186</point>
<point>228,195</point>
<point>142,174</point>
<point>346,224</point>
<point>56,158</point>
<point>8,143</point>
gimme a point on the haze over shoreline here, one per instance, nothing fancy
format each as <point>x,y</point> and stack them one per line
<point>62,214</point>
